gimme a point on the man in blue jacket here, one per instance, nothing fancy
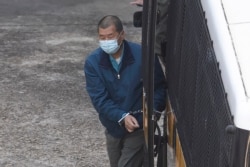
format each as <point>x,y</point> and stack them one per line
<point>113,75</point>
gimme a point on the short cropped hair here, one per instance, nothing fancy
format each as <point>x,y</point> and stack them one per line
<point>109,20</point>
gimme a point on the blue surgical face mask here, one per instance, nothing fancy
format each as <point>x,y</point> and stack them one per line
<point>109,46</point>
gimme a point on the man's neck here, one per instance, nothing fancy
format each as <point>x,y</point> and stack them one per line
<point>118,53</point>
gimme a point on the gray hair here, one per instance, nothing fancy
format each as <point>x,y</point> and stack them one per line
<point>109,20</point>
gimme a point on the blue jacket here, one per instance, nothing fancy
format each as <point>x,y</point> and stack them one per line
<point>114,93</point>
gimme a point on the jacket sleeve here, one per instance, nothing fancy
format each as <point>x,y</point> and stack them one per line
<point>159,87</point>
<point>99,95</point>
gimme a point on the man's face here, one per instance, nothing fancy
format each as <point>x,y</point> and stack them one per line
<point>110,33</point>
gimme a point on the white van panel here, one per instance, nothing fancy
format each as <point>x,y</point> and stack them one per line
<point>230,45</point>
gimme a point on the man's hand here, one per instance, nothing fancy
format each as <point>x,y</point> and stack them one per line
<point>137,2</point>
<point>130,123</point>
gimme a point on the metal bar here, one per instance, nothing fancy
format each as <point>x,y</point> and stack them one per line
<point>148,42</point>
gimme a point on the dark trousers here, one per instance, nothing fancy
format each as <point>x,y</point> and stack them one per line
<point>127,151</point>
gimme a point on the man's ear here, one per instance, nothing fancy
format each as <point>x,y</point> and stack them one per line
<point>122,34</point>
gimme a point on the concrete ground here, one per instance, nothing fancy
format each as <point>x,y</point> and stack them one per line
<point>46,118</point>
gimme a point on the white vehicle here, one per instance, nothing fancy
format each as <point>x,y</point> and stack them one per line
<point>208,77</point>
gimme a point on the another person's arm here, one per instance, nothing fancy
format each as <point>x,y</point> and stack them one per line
<point>159,87</point>
<point>137,2</point>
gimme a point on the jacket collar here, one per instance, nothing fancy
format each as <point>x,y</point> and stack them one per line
<point>127,57</point>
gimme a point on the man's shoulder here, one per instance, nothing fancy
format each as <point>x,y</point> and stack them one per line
<point>133,44</point>
<point>95,54</point>
<point>135,48</point>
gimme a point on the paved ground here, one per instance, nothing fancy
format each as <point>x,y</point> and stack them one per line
<point>46,118</point>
